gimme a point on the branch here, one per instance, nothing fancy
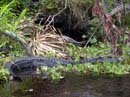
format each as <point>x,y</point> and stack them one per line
<point>20,40</point>
<point>53,17</point>
<point>119,8</point>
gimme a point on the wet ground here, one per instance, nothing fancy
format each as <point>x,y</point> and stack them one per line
<point>71,86</point>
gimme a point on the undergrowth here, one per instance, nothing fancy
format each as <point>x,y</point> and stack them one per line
<point>106,68</point>
<point>8,48</point>
<point>10,21</point>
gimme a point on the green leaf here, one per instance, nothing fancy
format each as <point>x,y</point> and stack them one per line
<point>3,9</point>
<point>22,15</point>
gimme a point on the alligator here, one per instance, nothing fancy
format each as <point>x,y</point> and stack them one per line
<point>28,65</point>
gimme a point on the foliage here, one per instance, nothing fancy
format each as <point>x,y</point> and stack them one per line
<point>4,74</point>
<point>17,6</point>
<point>91,51</point>
<point>21,17</point>
<point>110,69</point>
<point>13,12</point>
<point>9,22</point>
<point>112,26</point>
<point>5,14</point>
<point>49,4</point>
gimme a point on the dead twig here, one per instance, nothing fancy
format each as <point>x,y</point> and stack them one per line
<point>118,9</point>
<point>53,17</point>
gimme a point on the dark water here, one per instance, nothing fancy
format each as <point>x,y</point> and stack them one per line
<point>71,86</point>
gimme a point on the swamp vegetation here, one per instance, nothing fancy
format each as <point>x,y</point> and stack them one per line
<point>68,29</point>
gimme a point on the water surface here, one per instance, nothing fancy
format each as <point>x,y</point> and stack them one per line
<point>72,85</point>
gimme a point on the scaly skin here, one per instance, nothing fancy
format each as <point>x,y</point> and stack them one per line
<point>28,65</point>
